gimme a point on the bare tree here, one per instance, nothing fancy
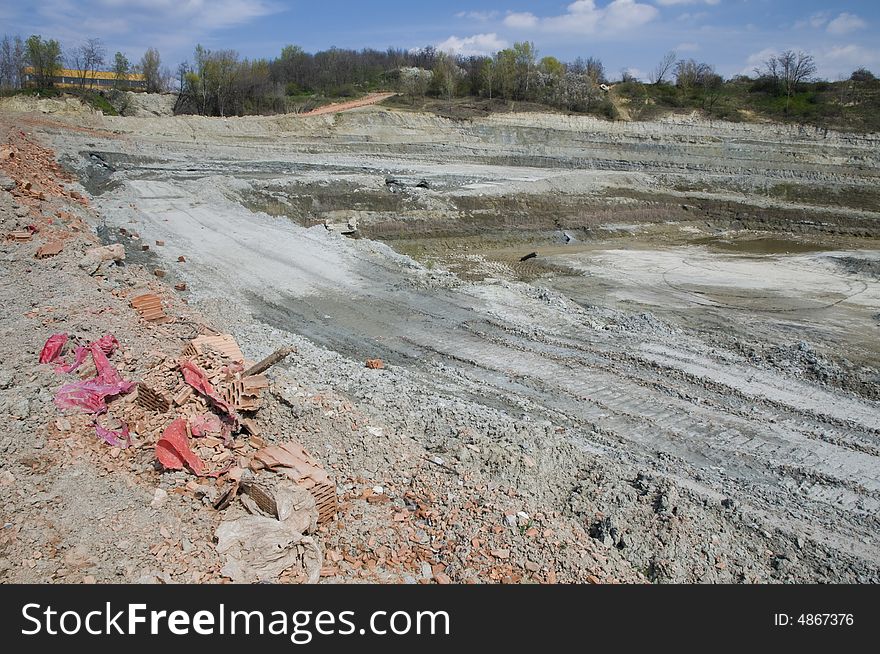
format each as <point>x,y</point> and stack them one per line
<point>789,70</point>
<point>662,70</point>
<point>93,57</point>
<point>595,70</point>
<point>12,55</point>
<point>74,59</point>
<point>690,73</point>
<point>182,70</point>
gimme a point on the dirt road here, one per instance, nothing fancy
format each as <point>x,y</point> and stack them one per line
<point>338,107</point>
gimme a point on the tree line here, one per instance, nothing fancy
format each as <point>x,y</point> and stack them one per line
<point>221,83</point>
<point>46,59</point>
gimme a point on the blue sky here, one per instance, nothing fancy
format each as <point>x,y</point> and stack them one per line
<point>734,35</point>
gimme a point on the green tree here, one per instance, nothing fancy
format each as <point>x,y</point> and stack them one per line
<point>447,75</point>
<point>44,56</point>
<point>488,75</point>
<point>525,56</point>
<point>505,64</point>
<point>150,68</point>
<point>121,69</point>
<point>552,66</point>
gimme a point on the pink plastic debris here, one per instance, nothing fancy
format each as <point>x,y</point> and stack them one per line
<point>107,343</point>
<point>173,450</point>
<point>90,395</point>
<point>52,349</point>
<point>119,438</point>
<point>107,374</point>
<point>204,424</point>
<point>195,377</point>
<point>79,356</point>
<point>174,453</point>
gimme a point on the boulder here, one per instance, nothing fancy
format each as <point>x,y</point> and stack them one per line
<point>97,258</point>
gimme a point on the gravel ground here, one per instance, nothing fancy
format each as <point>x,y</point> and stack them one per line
<point>514,436</point>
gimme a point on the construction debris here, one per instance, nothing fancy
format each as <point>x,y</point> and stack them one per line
<point>20,235</point>
<point>149,306</point>
<point>174,452</point>
<point>244,394</point>
<point>346,229</point>
<point>196,377</point>
<point>90,395</point>
<point>292,460</point>
<point>250,426</point>
<point>223,343</point>
<point>49,249</point>
<point>276,538</point>
<point>152,400</point>
<point>261,549</point>
<point>276,357</point>
<point>95,259</point>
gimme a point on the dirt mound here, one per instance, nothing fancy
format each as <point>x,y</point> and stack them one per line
<point>66,105</point>
<point>149,104</point>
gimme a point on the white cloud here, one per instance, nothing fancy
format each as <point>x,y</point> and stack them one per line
<point>840,60</point>
<point>819,19</point>
<point>584,17</point>
<point>173,26</point>
<point>211,14</point>
<point>833,62</point>
<point>479,16</point>
<point>756,60</point>
<point>472,46</point>
<point>523,20</point>
<point>846,23</point>
<point>687,47</point>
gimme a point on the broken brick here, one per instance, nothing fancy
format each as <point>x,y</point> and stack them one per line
<point>149,306</point>
<point>49,249</point>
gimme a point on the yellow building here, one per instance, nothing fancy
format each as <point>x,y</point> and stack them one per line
<point>99,79</point>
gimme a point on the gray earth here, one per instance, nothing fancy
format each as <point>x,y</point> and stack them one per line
<point>687,372</point>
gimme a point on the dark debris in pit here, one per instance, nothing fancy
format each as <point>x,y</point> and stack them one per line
<point>858,265</point>
<point>140,253</point>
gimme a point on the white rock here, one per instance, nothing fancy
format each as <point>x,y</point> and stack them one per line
<point>159,497</point>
